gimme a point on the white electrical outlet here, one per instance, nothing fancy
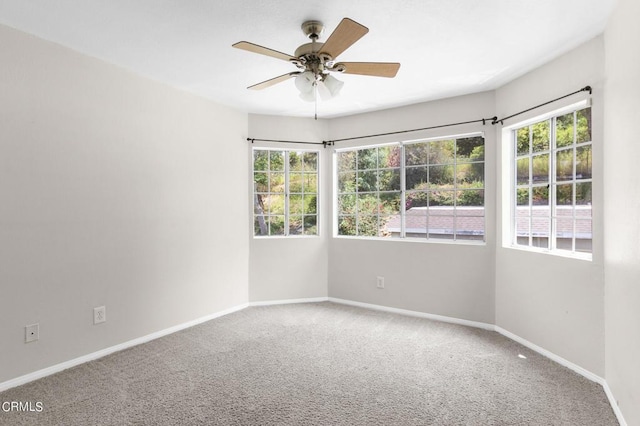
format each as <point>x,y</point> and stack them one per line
<point>31,333</point>
<point>99,314</point>
<point>380,282</point>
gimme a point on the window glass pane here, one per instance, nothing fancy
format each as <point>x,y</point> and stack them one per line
<point>346,225</point>
<point>367,203</point>
<point>261,182</point>
<point>310,161</point>
<point>295,161</point>
<point>564,130</point>
<point>346,161</point>
<point>295,225</point>
<point>564,233</point>
<point>583,162</point>
<point>540,231</point>
<point>441,152</point>
<point>522,196</point>
<point>295,204</point>
<point>276,182</point>
<point>276,225</point>
<point>310,225</point>
<point>522,141</point>
<point>564,194</point>
<point>523,222</point>
<point>260,226</point>
<point>389,180</point>
<point>469,223</point>
<point>469,174</point>
<point>440,198</point>
<point>389,156</point>
<point>347,182</point>
<point>584,236</point>
<point>470,197</point>
<point>368,225</point>
<point>441,176</point>
<point>416,177</point>
<point>276,204</point>
<point>540,196</point>
<point>583,193</point>
<point>295,182</point>
<point>367,159</point>
<point>260,160</point>
<point>441,227</point>
<point>583,122</point>
<point>540,168</point>
<point>540,136</point>
<point>390,203</point>
<point>564,165</point>
<point>470,149</point>
<point>415,222</point>
<point>523,171</point>
<point>310,183</point>
<point>347,204</point>
<point>367,181</point>
<point>310,204</point>
<point>417,199</point>
<point>416,154</point>
<point>277,160</point>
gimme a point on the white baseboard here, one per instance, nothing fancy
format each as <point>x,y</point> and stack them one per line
<point>440,318</point>
<point>289,301</point>
<point>574,367</point>
<point>107,351</point>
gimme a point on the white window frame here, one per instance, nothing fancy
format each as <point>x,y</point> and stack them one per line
<point>286,193</point>
<point>403,192</point>
<point>509,184</point>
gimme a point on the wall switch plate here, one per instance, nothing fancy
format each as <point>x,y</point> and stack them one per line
<point>380,282</point>
<point>99,314</point>
<point>31,333</point>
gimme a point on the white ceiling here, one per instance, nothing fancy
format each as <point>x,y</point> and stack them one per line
<point>446,47</point>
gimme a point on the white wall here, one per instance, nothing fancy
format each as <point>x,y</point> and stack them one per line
<point>292,267</point>
<point>436,278</point>
<point>555,302</point>
<point>116,191</point>
<point>622,197</point>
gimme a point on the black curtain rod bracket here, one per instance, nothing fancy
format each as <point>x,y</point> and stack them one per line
<point>283,141</point>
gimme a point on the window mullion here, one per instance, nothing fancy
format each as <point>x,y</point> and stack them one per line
<point>403,193</point>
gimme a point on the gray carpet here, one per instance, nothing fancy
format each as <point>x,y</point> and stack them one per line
<point>317,364</point>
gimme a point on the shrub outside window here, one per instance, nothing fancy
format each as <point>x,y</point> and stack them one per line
<point>428,189</point>
<point>285,195</point>
<point>552,207</point>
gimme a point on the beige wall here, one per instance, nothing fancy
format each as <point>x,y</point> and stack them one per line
<point>443,279</point>
<point>554,302</point>
<point>115,191</point>
<point>291,268</point>
<point>621,207</point>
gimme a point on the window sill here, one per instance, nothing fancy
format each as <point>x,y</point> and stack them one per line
<point>558,253</point>
<point>414,240</point>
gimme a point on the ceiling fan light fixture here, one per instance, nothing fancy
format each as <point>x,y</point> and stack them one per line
<point>305,82</point>
<point>333,85</point>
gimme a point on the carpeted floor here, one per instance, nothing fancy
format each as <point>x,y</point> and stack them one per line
<point>317,364</point>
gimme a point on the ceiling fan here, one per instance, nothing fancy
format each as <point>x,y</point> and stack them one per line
<point>316,61</point>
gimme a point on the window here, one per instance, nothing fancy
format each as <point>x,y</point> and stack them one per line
<point>285,195</point>
<point>552,185</point>
<point>429,189</point>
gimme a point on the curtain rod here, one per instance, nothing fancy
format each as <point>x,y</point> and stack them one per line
<point>501,121</point>
<point>482,120</point>
<point>325,143</point>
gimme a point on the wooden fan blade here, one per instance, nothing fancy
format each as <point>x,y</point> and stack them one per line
<point>272,81</point>
<point>346,33</point>
<point>376,69</point>
<point>251,47</point>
